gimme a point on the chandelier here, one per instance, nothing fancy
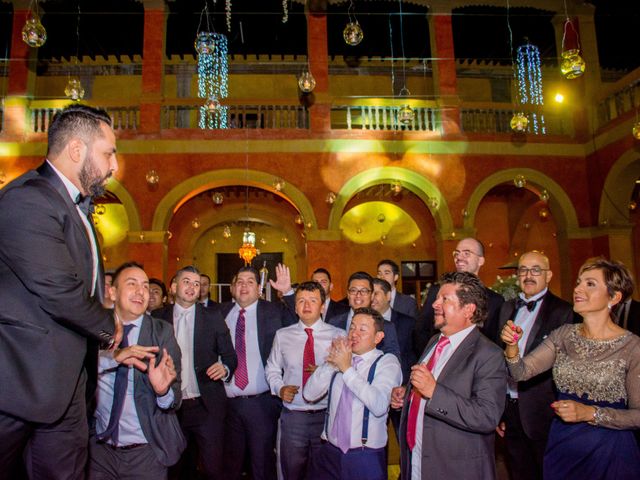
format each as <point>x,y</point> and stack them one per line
<point>248,250</point>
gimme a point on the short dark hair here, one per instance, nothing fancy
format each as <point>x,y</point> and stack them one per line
<point>75,120</point>
<point>469,290</point>
<point>386,286</point>
<point>617,277</point>
<point>394,266</point>
<point>187,269</point>
<point>322,270</point>
<point>123,267</point>
<point>361,276</point>
<point>206,276</point>
<point>251,270</point>
<point>311,286</point>
<point>378,320</point>
<point>160,283</point>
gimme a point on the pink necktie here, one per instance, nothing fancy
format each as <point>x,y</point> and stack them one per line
<point>241,374</point>
<point>342,420</point>
<point>414,406</point>
<point>308,357</point>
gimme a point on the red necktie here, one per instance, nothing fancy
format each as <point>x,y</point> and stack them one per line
<point>309,357</point>
<point>241,374</point>
<point>414,406</point>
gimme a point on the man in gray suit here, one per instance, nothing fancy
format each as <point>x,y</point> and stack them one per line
<point>137,432</point>
<point>456,394</point>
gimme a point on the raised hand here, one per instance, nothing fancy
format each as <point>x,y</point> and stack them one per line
<point>162,376</point>
<point>283,279</point>
<point>510,335</point>
<point>134,355</point>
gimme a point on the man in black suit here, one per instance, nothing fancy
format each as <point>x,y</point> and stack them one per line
<point>203,338</point>
<point>527,417</point>
<point>331,308</point>
<point>205,294</point>
<point>388,270</point>
<point>359,291</point>
<point>137,436</point>
<point>51,292</point>
<point>628,316</point>
<point>252,422</point>
<point>468,257</point>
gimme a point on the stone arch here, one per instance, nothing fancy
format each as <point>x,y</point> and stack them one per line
<point>617,190</point>
<point>412,181</point>
<point>191,187</point>
<point>558,198</point>
<point>115,187</point>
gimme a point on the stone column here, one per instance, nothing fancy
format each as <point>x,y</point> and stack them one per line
<point>152,65</point>
<point>318,55</point>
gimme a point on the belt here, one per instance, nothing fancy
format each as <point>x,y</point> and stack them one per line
<point>123,447</point>
<point>253,396</point>
<point>191,402</point>
<point>308,411</point>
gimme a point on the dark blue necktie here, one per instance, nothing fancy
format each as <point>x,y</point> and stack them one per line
<point>523,303</point>
<point>119,394</point>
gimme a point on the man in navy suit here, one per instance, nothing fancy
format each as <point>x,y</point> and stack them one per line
<point>388,270</point>
<point>137,431</point>
<point>331,308</point>
<point>51,292</point>
<point>252,422</point>
<point>208,360</point>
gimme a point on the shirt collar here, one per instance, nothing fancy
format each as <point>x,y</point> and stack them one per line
<point>534,298</point>
<point>71,188</point>
<point>457,338</point>
<point>177,309</point>
<point>249,308</point>
<point>387,315</point>
<point>315,327</point>
<point>370,355</point>
<point>137,322</point>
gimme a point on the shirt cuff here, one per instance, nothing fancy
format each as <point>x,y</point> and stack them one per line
<point>166,400</point>
<point>227,375</point>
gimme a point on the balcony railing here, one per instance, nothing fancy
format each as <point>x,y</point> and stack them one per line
<point>383,114</point>
<point>621,98</point>
<point>124,118</point>
<point>489,118</point>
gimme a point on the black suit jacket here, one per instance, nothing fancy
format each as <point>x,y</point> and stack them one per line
<point>404,328</point>
<point>535,395</point>
<point>630,319</point>
<point>405,304</point>
<point>388,345</point>
<point>47,313</point>
<point>211,340</point>
<point>271,316</point>
<point>424,323</point>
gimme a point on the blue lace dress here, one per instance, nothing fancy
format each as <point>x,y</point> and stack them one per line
<point>603,373</point>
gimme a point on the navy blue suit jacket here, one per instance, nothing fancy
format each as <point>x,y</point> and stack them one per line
<point>404,328</point>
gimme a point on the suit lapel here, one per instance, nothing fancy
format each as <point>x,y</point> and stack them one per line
<point>461,353</point>
<point>543,312</point>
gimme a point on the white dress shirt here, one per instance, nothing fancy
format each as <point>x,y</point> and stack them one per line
<point>129,429</point>
<point>284,366</point>
<point>455,340</point>
<point>376,396</point>
<point>184,320</point>
<point>255,369</point>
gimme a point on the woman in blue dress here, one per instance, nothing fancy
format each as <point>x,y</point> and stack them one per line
<point>596,369</point>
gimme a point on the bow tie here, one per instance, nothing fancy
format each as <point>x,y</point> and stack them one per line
<point>84,203</point>
<point>523,303</point>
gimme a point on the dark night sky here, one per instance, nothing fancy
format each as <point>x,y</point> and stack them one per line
<point>479,32</point>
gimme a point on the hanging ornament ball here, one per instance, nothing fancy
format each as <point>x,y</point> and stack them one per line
<point>205,43</point>
<point>406,115</point>
<point>279,184</point>
<point>520,181</point>
<point>633,205</point>
<point>152,177</point>
<point>212,104</point>
<point>331,198</point>
<point>195,223</point>
<point>544,195</point>
<point>226,232</point>
<point>74,90</point>
<point>352,33</point>
<point>33,33</point>
<point>519,122</point>
<point>212,241</point>
<point>299,220</point>
<point>572,64</point>
<point>433,202</point>
<point>543,213</point>
<point>217,198</point>
<point>381,218</point>
<point>100,209</point>
<point>306,82</point>
<point>636,130</point>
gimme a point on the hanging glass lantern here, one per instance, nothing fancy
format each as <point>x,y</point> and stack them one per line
<point>74,90</point>
<point>279,184</point>
<point>195,223</point>
<point>406,115</point>
<point>226,232</point>
<point>636,130</point>
<point>352,33</point>
<point>519,122</point>
<point>520,181</point>
<point>572,64</point>
<point>331,198</point>
<point>217,198</point>
<point>33,33</point>
<point>306,82</point>
<point>212,105</point>
<point>204,43</point>
<point>152,177</point>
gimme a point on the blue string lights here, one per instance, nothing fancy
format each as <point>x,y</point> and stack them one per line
<point>529,83</point>
<point>213,77</point>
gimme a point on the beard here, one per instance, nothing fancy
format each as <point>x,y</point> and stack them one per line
<point>90,178</point>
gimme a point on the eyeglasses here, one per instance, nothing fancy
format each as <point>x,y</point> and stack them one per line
<point>534,271</point>
<point>359,291</point>
<point>464,253</point>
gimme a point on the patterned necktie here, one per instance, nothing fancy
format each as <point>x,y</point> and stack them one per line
<point>241,373</point>
<point>414,406</point>
<point>342,421</point>
<point>309,357</point>
<point>119,394</point>
<point>523,303</point>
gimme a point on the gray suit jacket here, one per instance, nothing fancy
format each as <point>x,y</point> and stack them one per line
<point>461,417</point>
<point>160,427</point>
